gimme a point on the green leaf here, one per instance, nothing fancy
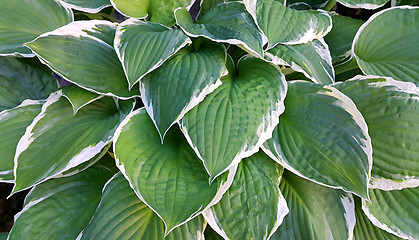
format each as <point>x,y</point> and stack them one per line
<point>211,234</point>
<point>121,215</point>
<point>233,121</point>
<point>60,208</point>
<point>387,44</point>
<point>226,23</point>
<point>79,97</point>
<point>90,6</point>
<point>284,25</point>
<point>253,207</point>
<point>391,111</point>
<point>22,79</point>
<point>323,137</point>
<point>315,212</point>
<point>13,123</point>
<point>160,11</point>
<point>4,235</point>
<point>206,5</point>
<point>144,161</point>
<point>144,46</point>
<point>314,4</point>
<point>394,211</point>
<point>366,4</point>
<point>312,58</point>
<point>83,54</point>
<point>70,139</point>
<point>182,82</point>
<point>21,21</point>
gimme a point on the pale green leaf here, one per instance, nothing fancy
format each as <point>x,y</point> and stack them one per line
<point>323,137</point>
<point>366,4</point>
<point>79,97</point>
<point>90,6</point>
<point>233,121</point>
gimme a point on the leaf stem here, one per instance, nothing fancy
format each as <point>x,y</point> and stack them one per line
<point>349,65</point>
<point>329,5</point>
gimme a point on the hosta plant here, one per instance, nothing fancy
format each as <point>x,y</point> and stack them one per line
<point>254,119</point>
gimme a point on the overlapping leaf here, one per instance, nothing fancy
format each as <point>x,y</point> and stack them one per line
<point>90,6</point>
<point>206,5</point>
<point>233,121</point>
<point>79,97</point>
<point>367,4</point>
<point>323,137</point>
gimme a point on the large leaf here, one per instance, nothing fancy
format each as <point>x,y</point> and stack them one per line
<point>168,177</point>
<point>22,79</point>
<point>367,4</point>
<point>387,44</point>
<point>70,139</point>
<point>323,137</point>
<point>182,82</point>
<point>226,23</point>
<point>145,46</point>
<point>391,110</point>
<point>394,211</point>
<point>160,11</point>
<point>13,124</point>
<point>253,207</point>
<point>121,215</point>
<point>23,20</point>
<point>90,6</point>
<point>233,121</point>
<point>312,59</point>
<point>315,212</point>
<point>79,97</point>
<point>285,25</point>
<point>60,208</point>
<point>82,53</point>
<point>206,5</point>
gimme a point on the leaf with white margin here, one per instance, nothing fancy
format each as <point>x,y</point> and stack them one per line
<point>79,97</point>
<point>391,110</point>
<point>387,44</point>
<point>182,82</point>
<point>206,5</point>
<point>315,211</point>
<point>160,11</point>
<point>70,139</point>
<point>323,137</point>
<point>82,53</point>
<point>395,211</point>
<point>238,117</point>
<point>169,177</point>
<point>22,79</point>
<point>227,23</point>
<point>366,4</point>
<point>144,46</point>
<point>13,123</point>
<point>60,208</point>
<point>121,215</point>
<point>312,59</point>
<point>284,25</point>
<point>90,6</point>
<point>365,230</point>
<point>23,20</point>
<point>253,207</point>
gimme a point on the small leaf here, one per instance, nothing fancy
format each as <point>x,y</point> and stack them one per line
<point>366,4</point>
<point>90,6</point>
<point>79,97</point>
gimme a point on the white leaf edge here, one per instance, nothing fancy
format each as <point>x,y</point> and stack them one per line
<point>369,6</point>
<point>349,206</point>
<point>75,110</point>
<point>84,9</point>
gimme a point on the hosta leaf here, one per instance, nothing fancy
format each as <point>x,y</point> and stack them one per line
<point>13,123</point>
<point>233,121</point>
<point>253,207</point>
<point>367,4</point>
<point>70,139</point>
<point>22,79</point>
<point>395,30</point>
<point>79,97</point>
<point>284,25</point>
<point>160,11</point>
<point>314,4</point>
<point>90,6</point>
<point>206,5</point>
<point>82,53</point>
<point>323,137</point>
<point>121,215</point>
<point>60,208</point>
<point>23,20</point>
<point>315,212</point>
<point>391,110</point>
<point>145,46</point>
<point>312,58</point>
<point>226,23</point>
<point>394,211</point>
<point>185,191</point>
<point>182,82</point>
<point>4,235</point>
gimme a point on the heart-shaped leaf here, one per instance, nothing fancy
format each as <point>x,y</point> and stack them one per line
<point>90,6</point>
<point>367,4</point>
<point>233,121</point>
<point>323,137</point>
<point>79,97</point>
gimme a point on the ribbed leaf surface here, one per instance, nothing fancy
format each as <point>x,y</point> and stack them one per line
<point>90,6</point>
<point>206,5</point>
<point>233,121</point>
<point>322,136</point>
<point>79,97</point>
<point>367,4</point>
<point>387,44</point>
